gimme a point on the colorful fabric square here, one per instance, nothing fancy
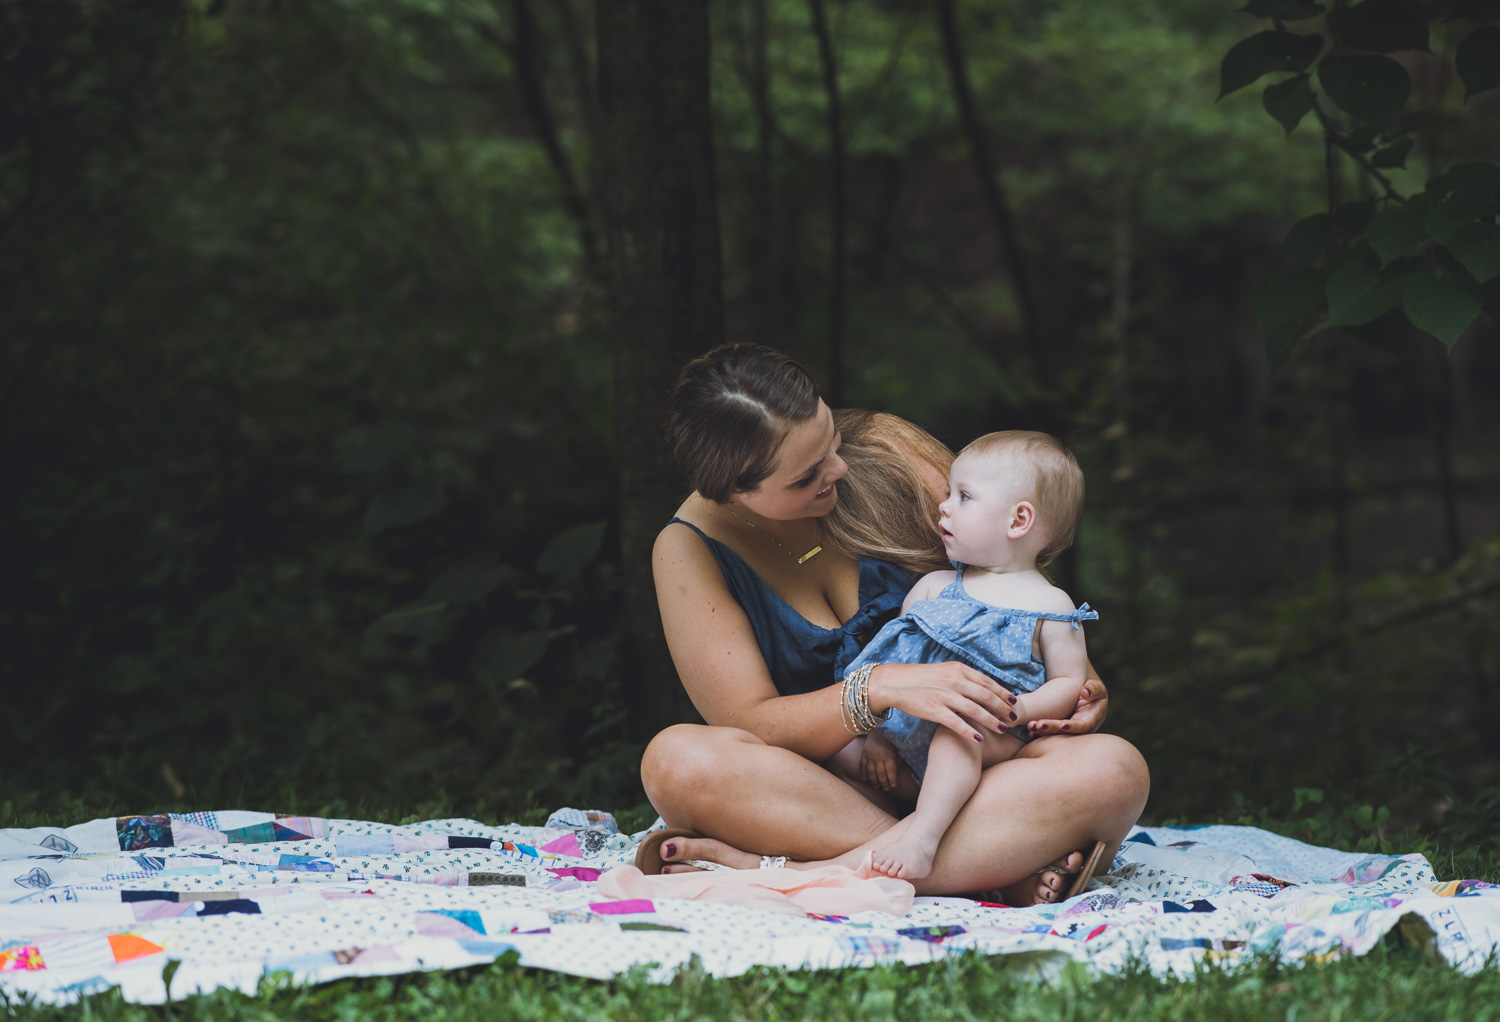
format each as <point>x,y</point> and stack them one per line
<point>127,947</point>
<point>459,924</point>
<point>632,906</point>
<point>305,864</point>
<point>136,832</point>
<point>935,934</point>
<point>255,834</point>
<point>26,958</point>
<point>877,947</point>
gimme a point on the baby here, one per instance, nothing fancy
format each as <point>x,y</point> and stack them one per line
<point>1013,504</point>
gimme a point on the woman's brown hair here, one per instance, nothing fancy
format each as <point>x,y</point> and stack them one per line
<point>886,507</point>
<point>729,412</point>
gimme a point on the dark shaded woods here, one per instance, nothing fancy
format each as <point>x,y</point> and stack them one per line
<point>334,340</point>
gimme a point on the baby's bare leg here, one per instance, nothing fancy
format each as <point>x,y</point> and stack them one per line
<point>953,766</point>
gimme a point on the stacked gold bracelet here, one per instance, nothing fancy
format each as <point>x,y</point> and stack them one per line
<point>854,702</point>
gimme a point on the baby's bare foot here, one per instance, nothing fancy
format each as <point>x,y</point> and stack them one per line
<point>909,857</point>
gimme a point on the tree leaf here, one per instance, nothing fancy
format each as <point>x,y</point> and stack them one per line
<point>1309,238</point>
<point>1287,293</point>
<point>471,584</point>
<point>1441,225</point>
<point>1477,246</point>
<point>503,656</point>
<point>1359,290</point>
<point>1474,10</point>
<point>1371,89</point>
<point>372,449</point>
<point>1477,175</point>
<point>1478,60</point>
<point>1393,231</point>
<point>1444,306</point>
<point>1283,10</point>
<point>405,505</point>
<point>1289,101</point>
<point>1264,53</point>
<point>570,551</point>
<point>1382,26</point>
<point>1392,155</point>
<point>1355,216</point>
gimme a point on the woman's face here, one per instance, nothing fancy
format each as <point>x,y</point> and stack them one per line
<point>808,467</point>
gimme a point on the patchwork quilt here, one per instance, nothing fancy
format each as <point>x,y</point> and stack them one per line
<point>166,905</point>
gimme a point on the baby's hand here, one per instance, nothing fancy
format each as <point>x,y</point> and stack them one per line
<point>879,763</point>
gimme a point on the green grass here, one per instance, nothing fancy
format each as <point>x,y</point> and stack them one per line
<point>1388,983</point>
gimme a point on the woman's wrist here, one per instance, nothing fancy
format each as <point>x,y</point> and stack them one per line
<point>878,689</point>
<point>855,711</point>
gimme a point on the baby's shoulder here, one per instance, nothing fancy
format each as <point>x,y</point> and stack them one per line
<point>1052,600</point>
<point>930,585</point>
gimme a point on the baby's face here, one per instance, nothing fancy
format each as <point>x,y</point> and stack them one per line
<point>983,491</point>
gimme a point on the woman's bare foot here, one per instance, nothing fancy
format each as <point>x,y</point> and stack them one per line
<point>676,851</point>
<point>1047,886</point>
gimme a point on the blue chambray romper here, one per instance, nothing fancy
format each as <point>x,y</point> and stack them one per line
<point>955,626</point>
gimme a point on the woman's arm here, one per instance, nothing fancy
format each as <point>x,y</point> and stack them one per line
<point>721,667</point>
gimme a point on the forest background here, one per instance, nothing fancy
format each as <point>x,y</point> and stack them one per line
<point>331,362</point>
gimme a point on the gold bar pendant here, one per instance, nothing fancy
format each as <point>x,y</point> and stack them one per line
<point>815,551</point>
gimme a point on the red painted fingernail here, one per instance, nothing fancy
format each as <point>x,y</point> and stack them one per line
<point>1067,727</point>
<point>979,738</point>
<point>668,850</point>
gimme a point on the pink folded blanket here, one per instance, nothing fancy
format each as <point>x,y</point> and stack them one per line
<point>827,890</point>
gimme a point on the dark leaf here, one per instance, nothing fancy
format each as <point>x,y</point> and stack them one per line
<point>1478,60</point>
<point>1360,140</point>
<point>1281,342</point>
<point>1382,26</point>
<point>1286,294</point>
<point>1283,10</point>
<point>1474,10</point>
<point>1359,290</point>
<point>403,506</point>
<point>472,584</point>
<point>1355,217</point>
<point>1371,89</point>
<point>1309,238</point>
<point>371,450</point>
<point>1467,202</point>
<point>1264,53</point>
<point>1444,306</point>
<point>1394,231</point>
<point>1289,101</point>
<point>426,621</point>
<point>1482,176</point>
<point>570,551</point>
<point>1477,246</point>
<point>503,656</point>
<point>1392,155</point>
<point>1441,225</point>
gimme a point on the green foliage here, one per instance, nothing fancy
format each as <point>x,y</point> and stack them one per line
<point>1449,232</point>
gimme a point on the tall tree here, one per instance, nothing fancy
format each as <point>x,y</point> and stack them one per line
<point>663,296</point>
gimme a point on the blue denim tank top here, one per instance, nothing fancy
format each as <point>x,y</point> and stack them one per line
<point>802,656</point>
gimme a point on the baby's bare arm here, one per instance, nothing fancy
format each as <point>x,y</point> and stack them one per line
<point>1066,656</point>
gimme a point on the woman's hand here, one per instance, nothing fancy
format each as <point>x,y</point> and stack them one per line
<point>951,694</point>
<point>1088,716</point>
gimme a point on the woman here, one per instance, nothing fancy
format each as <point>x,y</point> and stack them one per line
<point>766,596</point>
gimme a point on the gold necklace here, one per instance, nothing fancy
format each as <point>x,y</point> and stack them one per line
<point>815,551</point>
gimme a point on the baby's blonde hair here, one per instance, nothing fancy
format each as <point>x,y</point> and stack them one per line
<point>1056,483</point>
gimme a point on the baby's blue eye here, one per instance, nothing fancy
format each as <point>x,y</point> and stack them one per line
<point>962,496</point>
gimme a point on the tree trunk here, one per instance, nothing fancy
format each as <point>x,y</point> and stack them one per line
<point>836,206</point>
<point>662,285</point>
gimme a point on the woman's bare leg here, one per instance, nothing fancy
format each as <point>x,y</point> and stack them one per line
<point>1058,795</point>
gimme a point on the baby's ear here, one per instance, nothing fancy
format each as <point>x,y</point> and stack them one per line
<point>1022,518</point>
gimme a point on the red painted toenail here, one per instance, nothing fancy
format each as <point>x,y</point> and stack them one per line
<point>668,850</point>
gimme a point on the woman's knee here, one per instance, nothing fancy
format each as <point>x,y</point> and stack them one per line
<point>686,759</point>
